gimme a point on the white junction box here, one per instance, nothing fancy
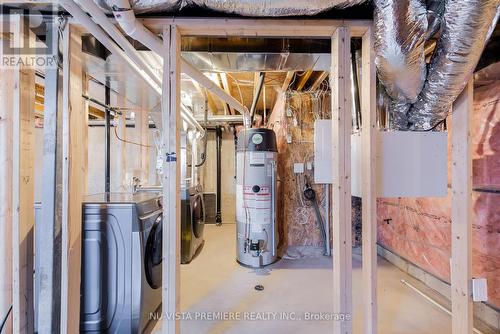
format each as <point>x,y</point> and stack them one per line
<point>409,164</point>
<point>479,290</point>
<point>323,166</point>
<point>298,168</point>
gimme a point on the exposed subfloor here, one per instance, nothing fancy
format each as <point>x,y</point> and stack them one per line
<point>214,282</point>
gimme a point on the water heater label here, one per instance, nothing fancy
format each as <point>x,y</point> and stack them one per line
<point>257,158</point>
<point>251,207</point>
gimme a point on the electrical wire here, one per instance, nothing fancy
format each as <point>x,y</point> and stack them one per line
<point>5,319</point>
<point>237,85</point>
<point>129,142</point>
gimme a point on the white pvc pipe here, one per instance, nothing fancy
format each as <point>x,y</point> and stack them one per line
<point>432,301</point>
<point>191,120</point>
<point>100,18</point>
<point>82,17</point>
<point>211,86</point>
<point>125,16</point>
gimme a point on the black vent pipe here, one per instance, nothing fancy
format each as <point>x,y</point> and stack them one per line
<point>107,140</point>
<point>218,141</point>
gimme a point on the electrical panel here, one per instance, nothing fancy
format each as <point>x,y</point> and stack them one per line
<point>323,166</point>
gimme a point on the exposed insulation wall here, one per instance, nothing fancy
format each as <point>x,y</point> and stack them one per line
<point>295,217</point>
<point>419,229</point>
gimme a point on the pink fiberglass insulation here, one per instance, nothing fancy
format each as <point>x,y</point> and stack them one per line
<point>419,229</point>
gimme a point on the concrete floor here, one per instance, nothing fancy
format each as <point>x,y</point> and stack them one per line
<point>214,282</point>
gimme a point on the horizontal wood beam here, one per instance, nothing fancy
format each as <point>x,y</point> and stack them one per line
<point>265,27</point>
<point>319,80</point>
<point>96,112</point>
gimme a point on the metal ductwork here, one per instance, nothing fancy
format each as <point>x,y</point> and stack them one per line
<point>257,62</point>
<point>420,96</point>
<point>400,34</point>
<point>402,27</point>
<point>466,27</point>
<point>240,7</point>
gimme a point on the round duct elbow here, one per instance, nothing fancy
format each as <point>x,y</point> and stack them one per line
<point>401,30</point>
<point>466,28</point>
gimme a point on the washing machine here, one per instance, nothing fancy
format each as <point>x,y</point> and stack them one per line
<point>192,223</point>
<point>121,263</point>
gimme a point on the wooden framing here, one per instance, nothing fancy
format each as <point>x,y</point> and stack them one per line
<point>17,104</point>
<point>21,182</point>
<point>23,199</point>
<point>368,181</point>
<point>303,79</point>
<point>341,188</point>
<point>16,169</point>
<point>319,80</point>
<point>74,172</point>
<point>171,178</point>
<point>6,110</point>
<point>257,27</point>
<point>172,30</point>
<point>461,214</point>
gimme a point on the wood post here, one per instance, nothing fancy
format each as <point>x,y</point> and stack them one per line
<point>368,182</point>
<point>17,104</point>
<point>17,195</point>
<point>74,136</point>
<point>461,214</point>
<point>341,212</point>
<point>6,111</point>
<point>23,200</point>
<point>171,179</point>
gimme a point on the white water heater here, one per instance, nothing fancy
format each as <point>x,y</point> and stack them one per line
<point>257,234</point>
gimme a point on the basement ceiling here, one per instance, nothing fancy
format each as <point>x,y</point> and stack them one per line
<point>233,61</point>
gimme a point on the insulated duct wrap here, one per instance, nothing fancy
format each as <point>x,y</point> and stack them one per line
<point>466,26</point>
<point>401,30</point>
<point>240,7</point>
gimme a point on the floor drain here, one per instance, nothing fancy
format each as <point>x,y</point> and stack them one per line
<point>259,287</point>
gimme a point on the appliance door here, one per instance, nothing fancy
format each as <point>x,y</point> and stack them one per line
<point>197,215</point>
<point>153,254</point>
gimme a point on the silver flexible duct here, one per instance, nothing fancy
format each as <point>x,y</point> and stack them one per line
<point>466,26</point>
<point>241,7</point>
<point>401,29</point>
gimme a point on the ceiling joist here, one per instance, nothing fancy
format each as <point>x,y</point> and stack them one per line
<point>319,80</point>
<point>303,79</point>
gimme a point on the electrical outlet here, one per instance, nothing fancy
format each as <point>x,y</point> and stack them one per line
<point>309,165</point>
<point>479,290</point>
<point>298,168</point>
<point>289,112</point>
<point>289,138</point>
